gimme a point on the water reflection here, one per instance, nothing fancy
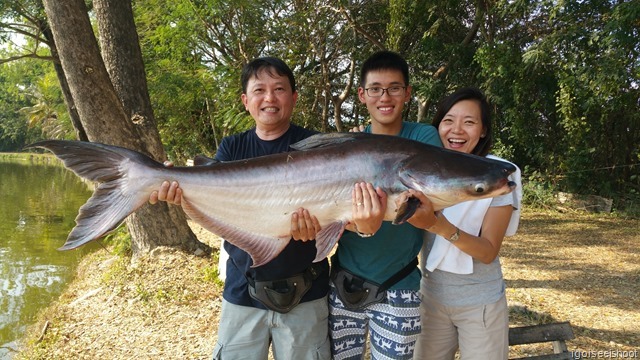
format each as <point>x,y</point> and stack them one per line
<point>37,211</point>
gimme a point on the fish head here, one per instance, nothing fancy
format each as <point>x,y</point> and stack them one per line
<point>451,177</point>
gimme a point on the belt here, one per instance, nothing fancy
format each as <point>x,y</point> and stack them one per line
<point>284,294</point>
<point>356,292</point>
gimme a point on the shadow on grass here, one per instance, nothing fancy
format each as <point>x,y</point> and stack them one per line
<point>593,258</point>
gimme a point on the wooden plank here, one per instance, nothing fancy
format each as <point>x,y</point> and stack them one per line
<point>559,346</point>
<point>542,333</point>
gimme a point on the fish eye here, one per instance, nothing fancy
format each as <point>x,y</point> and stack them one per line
<point>479,188</point>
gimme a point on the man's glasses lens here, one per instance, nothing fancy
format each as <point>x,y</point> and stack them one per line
<point>378,91</point>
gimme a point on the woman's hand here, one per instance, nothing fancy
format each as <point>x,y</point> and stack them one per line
<point>424,216</point>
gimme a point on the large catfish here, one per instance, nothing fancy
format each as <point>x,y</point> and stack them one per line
<point>249,202</point>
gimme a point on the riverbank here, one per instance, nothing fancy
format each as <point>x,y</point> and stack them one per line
<point>25,157</point>
<point>572,267</point>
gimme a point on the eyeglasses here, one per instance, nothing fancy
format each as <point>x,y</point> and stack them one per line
<point>392,91</point>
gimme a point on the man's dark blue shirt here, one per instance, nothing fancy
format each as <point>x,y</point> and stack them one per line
<point>296,257</point>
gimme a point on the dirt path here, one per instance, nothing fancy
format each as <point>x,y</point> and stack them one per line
<point>560,267</point>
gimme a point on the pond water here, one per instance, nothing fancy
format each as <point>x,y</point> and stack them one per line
<point>38,205</point>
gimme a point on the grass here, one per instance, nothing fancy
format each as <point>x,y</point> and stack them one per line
<point>577,267</point>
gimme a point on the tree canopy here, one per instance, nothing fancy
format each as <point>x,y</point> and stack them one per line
<point>562,76</point>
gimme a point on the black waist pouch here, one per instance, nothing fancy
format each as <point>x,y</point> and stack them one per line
<point>284,294</point>
<point>356,292</point>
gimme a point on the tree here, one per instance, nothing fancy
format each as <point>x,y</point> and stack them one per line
<point>562,77</point>
<point>14,78</point>
<point>102,112</point>
<point>194,69</point>
<point>26,19</point>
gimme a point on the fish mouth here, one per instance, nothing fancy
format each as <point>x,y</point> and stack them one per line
<point>500,187</point>
<point>504,187</point>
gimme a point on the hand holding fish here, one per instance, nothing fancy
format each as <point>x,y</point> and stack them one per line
<point>169,192</point>
<point>304,226</point>
<point>424,216</point>
<point>359,128</point>
<point>369,205</point>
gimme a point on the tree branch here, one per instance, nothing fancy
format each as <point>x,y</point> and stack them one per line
<point>27,56</point>
<point>356,26</point>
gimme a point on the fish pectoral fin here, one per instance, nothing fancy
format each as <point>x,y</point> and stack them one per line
<point>406,210</point>
<point>327,238</point>
<point>262,249</point>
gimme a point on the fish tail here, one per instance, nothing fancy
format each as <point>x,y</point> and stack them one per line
<point>114,198</point>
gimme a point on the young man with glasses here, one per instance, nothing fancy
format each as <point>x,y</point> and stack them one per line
<point>375,276</point>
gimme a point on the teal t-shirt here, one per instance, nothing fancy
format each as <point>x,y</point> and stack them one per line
<point>378,257</point>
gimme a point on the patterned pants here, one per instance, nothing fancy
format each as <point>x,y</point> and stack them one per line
<point>393,326</point>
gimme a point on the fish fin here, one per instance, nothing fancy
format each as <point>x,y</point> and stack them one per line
<point>325,140</point>
<point>262,249</point>
<point>406,210</point>
<point>101,214</point>
<point>114,199</point>
<point>201,160</point>
<point>95,161</point>
<point>327,238</point>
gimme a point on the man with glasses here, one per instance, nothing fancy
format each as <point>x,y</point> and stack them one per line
<point>375,277</point>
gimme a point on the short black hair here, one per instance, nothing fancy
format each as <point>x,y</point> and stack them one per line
<point>384,60</point>
<point>469,93</point>
<point>270,64</point>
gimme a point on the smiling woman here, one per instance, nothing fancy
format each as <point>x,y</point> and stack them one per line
<point>34,223</point>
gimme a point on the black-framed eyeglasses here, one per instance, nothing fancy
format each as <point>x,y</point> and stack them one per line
<point>392,91</point>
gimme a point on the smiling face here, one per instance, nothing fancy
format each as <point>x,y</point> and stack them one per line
<point>461,128</point>
<point>386,110</point>
<point>270,99</point>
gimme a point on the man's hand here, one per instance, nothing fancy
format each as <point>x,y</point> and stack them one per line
<point>169,192</point>
<point>369,205</point>
<point>304,227</point>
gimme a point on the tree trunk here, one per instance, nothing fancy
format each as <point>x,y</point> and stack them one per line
<point>105,120</point>
<point>423,105</point>
<point>123,60</point>
<point>64,85</point>
<point>340,99</point>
